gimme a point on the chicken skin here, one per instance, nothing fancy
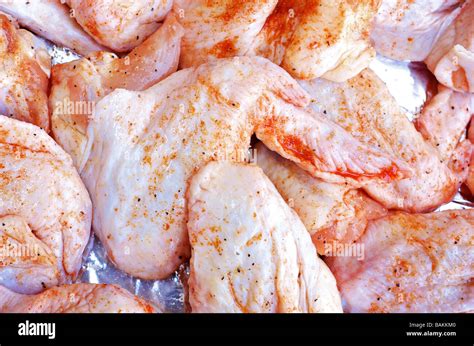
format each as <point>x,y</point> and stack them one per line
<point>444,119</point>
<point>443,123</point>
<point>52,20</point>
<point>439,32</point>
<point>24,71</point>
<point>332,213</point>
<point>221,28</point>
<point>320,38</point>
<point>413,263</point>
<point>409,29</point>
<point>366,109</point>
<point>89,26</point>
<point>310,39</point>
<point>45,210</point>
<point>77,298</point>
<point>78,85</point>
<point>250,251</point>
<point>222,146</point>
<point>120,25</point>
<point>452,58</point>
<point>144,146</point>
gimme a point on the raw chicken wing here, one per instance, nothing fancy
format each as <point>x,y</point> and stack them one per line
<point>452,58</point>
<point>144,146</point>
<point>310,38</point>
<point>77,86</point>
<point>45,211</point>
<point>444,119</point>
<point>78,298</point>
<point>24,71</point>
<point>120,25</point>
<point>332,213</point>
<point>52,20</point>
<point>409,29</point>
<point>366,109</point>
<point>413,263</point>
<point>250,252</point>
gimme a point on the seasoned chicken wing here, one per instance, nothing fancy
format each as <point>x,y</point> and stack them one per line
<point>27,264</point>
<point>144,146</point>
<point>78,85</point>
<point>120,25</point>
<point>320,38</point>
<point>45,210</point>
<point>413,263</point>
<point>452,57</point>
<point>221,28</point>
<point>443,123</point>
<point>310,38</point>
<point>332,213</point>
<point>52,20</point>
<point>78,298</point>
<point>444,119</point>
<point>24,71</point>
<point>365,108</point>
<point>250,251</point>
<point>409,29</point>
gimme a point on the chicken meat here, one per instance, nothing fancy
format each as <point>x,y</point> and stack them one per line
<point>413,263</point>
<point>444,119</point>
<point>246,137</point>
<point>45,210</point>
<point>332,213</point>
<point>310,39</point>
<point>452,57</point>
<point>52,20</point>
<point>409,29</point>
<point>120,25</point>
<point>365,108</point>
<point>77,86</point>
<point>25,67</point>
<point>143,147</point>
<point>77,298</point>
<point>250,251</point>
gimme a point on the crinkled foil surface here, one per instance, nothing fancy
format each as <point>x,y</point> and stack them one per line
<point>410,83</point>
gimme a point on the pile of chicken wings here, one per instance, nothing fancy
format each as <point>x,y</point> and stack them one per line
<point>250,139</point>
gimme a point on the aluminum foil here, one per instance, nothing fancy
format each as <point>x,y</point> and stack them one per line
<point>410,83</point>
